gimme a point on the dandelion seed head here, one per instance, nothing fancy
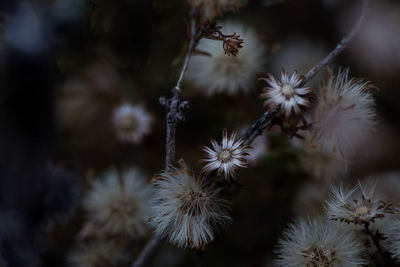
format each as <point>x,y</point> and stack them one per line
<point>221,73</point>
<point>131,123</point>
<point>117,203</point>
<point>184,212</point>
<point>316,242</point>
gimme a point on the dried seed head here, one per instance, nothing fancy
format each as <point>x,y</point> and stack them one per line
<point>227,156</point>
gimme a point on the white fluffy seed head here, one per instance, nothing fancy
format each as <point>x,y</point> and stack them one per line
<point>221,73</point>
<point>131,123</point>
<point>319,164</point>
<point>317,242</point>
<point>184,212</point>
<point>227,156</point>
<point>393,238</point>
<point>96,254</point>
<point>344,115</point>
<point>286,93</point>
<point>117,203</point>
<point>358,205</point>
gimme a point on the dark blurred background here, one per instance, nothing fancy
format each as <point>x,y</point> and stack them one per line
<point>66,64</point>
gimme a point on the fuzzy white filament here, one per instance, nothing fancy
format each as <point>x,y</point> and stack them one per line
<point>221,73</point>
<point>316,242</point>
<point>184,212</point>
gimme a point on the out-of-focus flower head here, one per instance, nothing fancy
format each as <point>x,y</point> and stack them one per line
<point>344,114</point>
<point>98,253</point>
<point>286,93</point>
<point>319,164</point>
<point>184,211</point>
<point>316,242</point>
<point>131,123</point>
<point>211,9</point>
<point>227,156</point>
<point>117,203</point>
<point>359,205</point>
<point>218,72</point>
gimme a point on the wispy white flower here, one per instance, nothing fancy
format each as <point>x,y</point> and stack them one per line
<point>286,93</point>
<point>316,242</point>
<point>131,123</point>
<point>219,72</point>
<point>184,212</point>
<point>227,156</point>
<point>344,115</point>
<point>117,203</point>
<point>211,9</point>
<point>97,254</point>
<point>358,205</point>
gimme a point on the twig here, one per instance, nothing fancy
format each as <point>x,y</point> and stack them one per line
<point>339,47</point>
<point>174,106</point>
<point>269,119</point>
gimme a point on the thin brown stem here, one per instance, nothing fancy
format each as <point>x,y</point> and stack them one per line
<point>174,106</point>
<point>339,47</point>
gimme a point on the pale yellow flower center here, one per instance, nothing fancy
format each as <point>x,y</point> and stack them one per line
<point>225,155</point>
<point>361,211</point>
<point>288,91</point>
<point>128,123</point>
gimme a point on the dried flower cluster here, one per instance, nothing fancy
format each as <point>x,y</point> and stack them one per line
<point>184,211</point>
<point>225,68</point>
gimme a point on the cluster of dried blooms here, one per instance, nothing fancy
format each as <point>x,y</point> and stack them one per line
<point>357,225</point>
<point>329,123</point>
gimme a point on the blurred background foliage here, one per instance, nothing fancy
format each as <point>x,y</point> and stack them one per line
<point>111,52</point>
